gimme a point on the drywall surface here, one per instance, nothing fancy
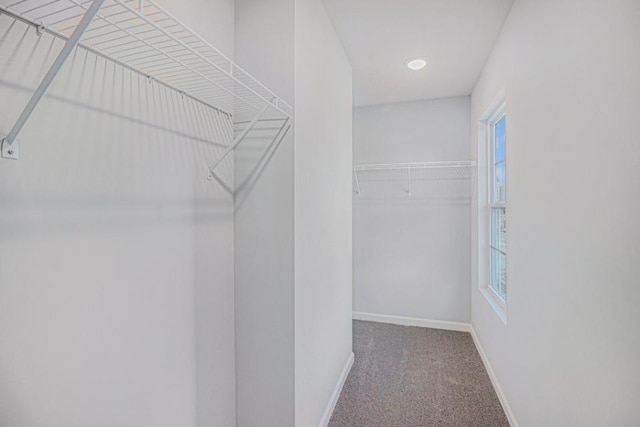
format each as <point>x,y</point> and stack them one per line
<point>571,73</point>
<point>212,19</point>
<point>116,261</point>
<point>323,159</point>
<point>264,228</point>
<point>410,252</point>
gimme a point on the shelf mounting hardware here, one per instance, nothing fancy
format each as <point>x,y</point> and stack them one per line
<point>238,139</point>
<point>279,135</point>
<point>10,148</point>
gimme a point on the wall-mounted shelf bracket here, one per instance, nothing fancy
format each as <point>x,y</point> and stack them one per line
<point>355,174</point>
<point>9,144</point>
<point>238,139</point>
<point>279,135</point>
<point>10,149</point>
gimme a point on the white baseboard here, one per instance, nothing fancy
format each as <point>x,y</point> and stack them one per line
<point>336,391</point>
<point>494,380</point>
<point>412,321</point>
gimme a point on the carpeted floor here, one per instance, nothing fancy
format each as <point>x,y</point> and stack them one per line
<point>416,377</point>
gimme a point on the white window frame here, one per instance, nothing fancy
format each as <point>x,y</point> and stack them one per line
<point>487,138</point>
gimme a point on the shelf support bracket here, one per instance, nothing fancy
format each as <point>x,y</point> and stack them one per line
<point>9,143</point>
<point>238,139</point>
<point>355,174</point>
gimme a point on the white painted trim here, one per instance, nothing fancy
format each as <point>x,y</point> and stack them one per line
<point>494,380</point>
<point>336,392</point>
<point>500,98</point>
<point>495,302</point>
<point>412,321</point>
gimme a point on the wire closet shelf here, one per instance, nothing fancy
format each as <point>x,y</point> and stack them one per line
<point>409,172</point>
<point>145,38</point>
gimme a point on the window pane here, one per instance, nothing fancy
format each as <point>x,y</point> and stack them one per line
<point>500,135</point>
<point>498,281</point>
<point>500,182</point>
<point>499,228</point>
<point>493,278</point>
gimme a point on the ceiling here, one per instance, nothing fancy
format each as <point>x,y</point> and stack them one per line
<point>453,36</point>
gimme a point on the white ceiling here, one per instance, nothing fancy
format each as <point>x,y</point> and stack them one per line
<point>454,37</point>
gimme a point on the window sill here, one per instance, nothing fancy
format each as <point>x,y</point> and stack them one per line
<point>495,302</point>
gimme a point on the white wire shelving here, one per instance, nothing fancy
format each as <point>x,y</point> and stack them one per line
<point>410,172</point>
<point>145,38</point>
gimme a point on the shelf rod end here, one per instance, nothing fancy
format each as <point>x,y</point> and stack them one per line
<point>10,149</point>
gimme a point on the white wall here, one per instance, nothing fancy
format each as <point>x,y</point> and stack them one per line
<point>322,211</point>
<point>116,262</point>
<point>264,237</point>
<point>264,228</point>
<point>411,255</point>
<point>569,352</point>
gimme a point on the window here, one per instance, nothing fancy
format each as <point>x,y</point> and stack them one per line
<point>492,208</point>
<point>496,198</point>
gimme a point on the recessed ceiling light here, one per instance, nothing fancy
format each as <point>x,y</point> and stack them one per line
<point>416,64</point>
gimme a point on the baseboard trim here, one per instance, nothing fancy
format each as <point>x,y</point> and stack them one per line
<point>412,321</point>
<point>336,391</point>
<point>494,380</point>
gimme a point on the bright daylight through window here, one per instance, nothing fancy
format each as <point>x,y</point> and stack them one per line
<point>497,205</point>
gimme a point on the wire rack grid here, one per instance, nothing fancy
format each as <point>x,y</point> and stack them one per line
<point>147,38</point>
<point>409,172</point>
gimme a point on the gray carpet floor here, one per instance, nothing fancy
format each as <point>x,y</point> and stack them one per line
<point>416,377</point>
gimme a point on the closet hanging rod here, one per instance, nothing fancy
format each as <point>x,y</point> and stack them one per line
<point>409,172</point>
<point>143,37</point>
<point>415,165</point>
